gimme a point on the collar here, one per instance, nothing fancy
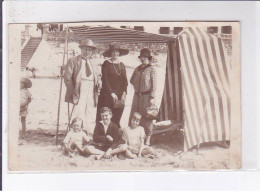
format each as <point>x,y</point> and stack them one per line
<point>86,58</point>
<point>110,61</point>
<point>104,124</point>
<point>140,68</point>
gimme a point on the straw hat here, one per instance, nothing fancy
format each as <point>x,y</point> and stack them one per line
<point>27,82</point>
<point>145,53</point>
<point>87,43</point>
<point>114,47</point>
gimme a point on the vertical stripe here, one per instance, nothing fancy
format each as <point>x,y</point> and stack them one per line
<point>189,90</point>
<point>176,81</point>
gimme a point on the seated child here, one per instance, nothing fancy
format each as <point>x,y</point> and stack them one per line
<point>134,135</point>
<point>75,138</point>
<point>25,99</point>
<point>107,134</point>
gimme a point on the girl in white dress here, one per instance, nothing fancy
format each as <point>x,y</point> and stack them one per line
<point>134,135</point>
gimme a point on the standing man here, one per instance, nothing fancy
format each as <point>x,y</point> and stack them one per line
<point>83,84</point>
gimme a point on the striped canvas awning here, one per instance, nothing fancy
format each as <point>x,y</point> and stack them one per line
<point>205,71</point>
<point>110,34</point>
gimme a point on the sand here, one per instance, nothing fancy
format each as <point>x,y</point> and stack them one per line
<point>38,152</point>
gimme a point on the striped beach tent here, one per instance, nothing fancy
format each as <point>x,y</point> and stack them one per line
<point>197,83</point>
<point>197,87</point>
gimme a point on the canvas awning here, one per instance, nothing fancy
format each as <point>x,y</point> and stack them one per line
<point>110,34</point>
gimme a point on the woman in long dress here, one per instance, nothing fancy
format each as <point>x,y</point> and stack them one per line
<point>144,80</point>
<point>114,83</point>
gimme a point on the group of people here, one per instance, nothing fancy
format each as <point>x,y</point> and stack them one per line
<point>103,95</point>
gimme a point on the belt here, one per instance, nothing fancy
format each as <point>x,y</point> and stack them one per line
<point>143,93</point>
<point>87,79</point>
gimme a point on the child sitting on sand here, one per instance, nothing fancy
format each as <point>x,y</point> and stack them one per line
<point>134,135</point>
<point>107,134</point>
<point>26,98</point>
<point>75,138</point>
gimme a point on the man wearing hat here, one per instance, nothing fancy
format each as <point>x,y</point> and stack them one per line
<point>83,84</point>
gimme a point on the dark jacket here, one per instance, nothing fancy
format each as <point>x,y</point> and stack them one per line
<point>100,136</point>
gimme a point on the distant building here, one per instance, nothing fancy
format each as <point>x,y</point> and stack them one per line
<point>177,30</point>
<point>139,28</point>
<point>225,32</point>
<point>164,30</point>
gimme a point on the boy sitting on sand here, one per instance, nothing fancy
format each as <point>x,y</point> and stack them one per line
<point>107,134</point>
<point>26,98</point>
<point>134,135</point>
<point>75,138</point>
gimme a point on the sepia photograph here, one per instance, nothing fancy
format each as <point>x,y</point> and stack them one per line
<point>124,96</point>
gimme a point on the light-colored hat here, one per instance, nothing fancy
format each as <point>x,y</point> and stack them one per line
<point>87,43</point>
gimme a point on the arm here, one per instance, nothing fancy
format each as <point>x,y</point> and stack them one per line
<point>105,78</point>
<point>133,77</point>
<point>142,136</point>
<point>125,82</point>
<point>68,77</point>
<point>154,82</point>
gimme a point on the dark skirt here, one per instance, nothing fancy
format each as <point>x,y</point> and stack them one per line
<point>106,100</point>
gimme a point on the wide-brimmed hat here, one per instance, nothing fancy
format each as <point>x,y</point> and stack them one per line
<point>87,43</point>
<point>145,53</point>
<point>113,47</point>
<point>26,82</point>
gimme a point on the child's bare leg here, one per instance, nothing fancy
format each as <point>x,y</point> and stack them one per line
<point>23,120</point>
<point>67,150</point>
<point>120,149</point>
<point>147,140</point>
<point>130,155</point>
<point>91,150</point>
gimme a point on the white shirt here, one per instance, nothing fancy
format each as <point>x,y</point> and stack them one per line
<point>76,137</point>
<point>105,126</point>
<point>134,136</point>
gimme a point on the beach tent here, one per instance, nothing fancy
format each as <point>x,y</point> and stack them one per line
<point>197,84</point>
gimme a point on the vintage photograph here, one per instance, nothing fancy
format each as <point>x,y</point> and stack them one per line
<point>98,96</point>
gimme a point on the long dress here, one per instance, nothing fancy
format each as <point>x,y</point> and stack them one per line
<point>144,81</point>
<point>114,80</point>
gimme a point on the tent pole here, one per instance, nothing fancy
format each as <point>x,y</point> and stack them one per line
<point>61,78</point>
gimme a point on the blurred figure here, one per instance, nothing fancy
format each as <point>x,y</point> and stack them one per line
<point>25,99</point>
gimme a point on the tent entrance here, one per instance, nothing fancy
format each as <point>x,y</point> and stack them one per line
<point>171,109</point>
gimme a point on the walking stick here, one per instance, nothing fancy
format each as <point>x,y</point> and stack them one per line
<point>61,78</point>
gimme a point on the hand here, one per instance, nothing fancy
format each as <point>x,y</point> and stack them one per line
<point>152,101</point>
<point>109,138</point>
<point>114,96</point>
<point>139,155</point>
<point>123,98</point>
